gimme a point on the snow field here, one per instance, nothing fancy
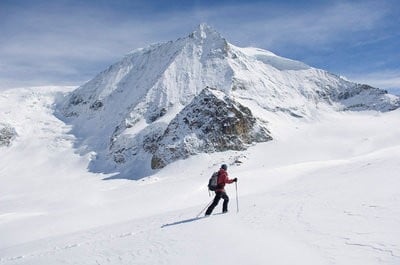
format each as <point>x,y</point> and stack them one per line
<point>325,191</point>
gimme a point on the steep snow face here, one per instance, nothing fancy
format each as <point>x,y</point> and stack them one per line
<point>274,60</point>
<point>211,122</point>
<point>127,107</point>
<point>280,84</point>
<point>157,77</point>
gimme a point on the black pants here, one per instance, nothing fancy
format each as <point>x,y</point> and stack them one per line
<point>218,196</point>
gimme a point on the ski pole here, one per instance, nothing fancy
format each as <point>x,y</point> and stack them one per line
<point>197,216</point>
<point>237,199</point>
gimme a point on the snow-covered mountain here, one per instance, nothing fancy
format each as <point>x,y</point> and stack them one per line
<point>132,113</point>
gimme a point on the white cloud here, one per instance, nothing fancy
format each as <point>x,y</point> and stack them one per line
<point>388,79</point>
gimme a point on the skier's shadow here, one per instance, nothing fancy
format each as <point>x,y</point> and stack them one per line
<point>188,220</point>
<point>182,222</point>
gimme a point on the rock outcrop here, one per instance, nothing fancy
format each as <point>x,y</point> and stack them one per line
<point>7,135</point>
<point>212,122</point>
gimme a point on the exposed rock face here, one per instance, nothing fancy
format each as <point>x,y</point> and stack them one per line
<point>7,134</point>
<point>212,122</point>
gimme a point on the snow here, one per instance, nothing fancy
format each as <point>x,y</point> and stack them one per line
<point>324,191</point>
<point>274,60</point>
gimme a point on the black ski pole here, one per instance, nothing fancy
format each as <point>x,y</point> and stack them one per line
<point>237,199</point>
<point>197,216</point>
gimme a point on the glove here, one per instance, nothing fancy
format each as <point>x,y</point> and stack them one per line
<point>235,180</point>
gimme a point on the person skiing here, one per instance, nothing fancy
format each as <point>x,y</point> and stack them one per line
<point>220,191</point>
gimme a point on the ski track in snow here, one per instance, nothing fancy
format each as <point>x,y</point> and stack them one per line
<point>309,208</point>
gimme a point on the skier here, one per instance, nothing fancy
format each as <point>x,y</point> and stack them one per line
<point>220,192</point>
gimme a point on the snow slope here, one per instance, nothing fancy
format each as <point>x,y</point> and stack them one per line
<point>325,191</point>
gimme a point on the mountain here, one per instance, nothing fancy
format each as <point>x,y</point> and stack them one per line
<point>131,112</point>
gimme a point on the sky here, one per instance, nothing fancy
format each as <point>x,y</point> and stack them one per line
<point>69,42</point>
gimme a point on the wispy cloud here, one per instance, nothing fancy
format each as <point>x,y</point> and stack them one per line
<point>69,44</point>
<point>388,79</point>
<point>274,26</point>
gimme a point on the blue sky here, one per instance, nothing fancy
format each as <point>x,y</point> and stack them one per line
<point>68,42</point>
